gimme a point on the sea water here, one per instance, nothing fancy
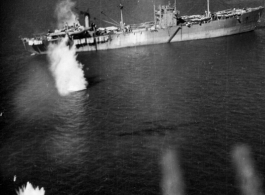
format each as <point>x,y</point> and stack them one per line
<point>199,99</point>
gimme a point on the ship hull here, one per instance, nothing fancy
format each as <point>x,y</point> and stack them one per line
<point>217,28</point>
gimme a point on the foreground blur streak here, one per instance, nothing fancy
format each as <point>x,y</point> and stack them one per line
<point>172,181</point>
<point>247,177</point>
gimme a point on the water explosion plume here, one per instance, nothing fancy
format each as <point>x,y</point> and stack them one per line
<point>30,190</point>
<point>65,14</point>
<point>67,71</point>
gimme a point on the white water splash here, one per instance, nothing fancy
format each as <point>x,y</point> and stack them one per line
<point>67,71</point>
<point>65,14</point>
<point>30,190</point>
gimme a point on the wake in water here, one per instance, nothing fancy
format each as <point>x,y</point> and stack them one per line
<point>67,71</point>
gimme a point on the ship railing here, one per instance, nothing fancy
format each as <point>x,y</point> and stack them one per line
<point>224,11</point>
<point>229,15</point>
<point>195,18</point>
<point>142,25</point>
<point>231,11</point>
<point>191,17</point>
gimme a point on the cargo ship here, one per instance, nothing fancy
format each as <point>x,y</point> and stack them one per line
<point>168,26</point>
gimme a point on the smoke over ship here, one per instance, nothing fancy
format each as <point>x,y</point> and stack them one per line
<point>168,26</point>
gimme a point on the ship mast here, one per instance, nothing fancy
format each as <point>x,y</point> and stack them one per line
<point>175,7</point>
<point>155,15</point>
<point>208,8</point>
<point>122,24</point>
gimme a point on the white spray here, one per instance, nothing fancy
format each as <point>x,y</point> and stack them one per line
<point>67,71</point>
<point>30,190</point>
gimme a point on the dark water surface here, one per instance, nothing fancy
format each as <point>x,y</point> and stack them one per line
<point>200,98</point>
